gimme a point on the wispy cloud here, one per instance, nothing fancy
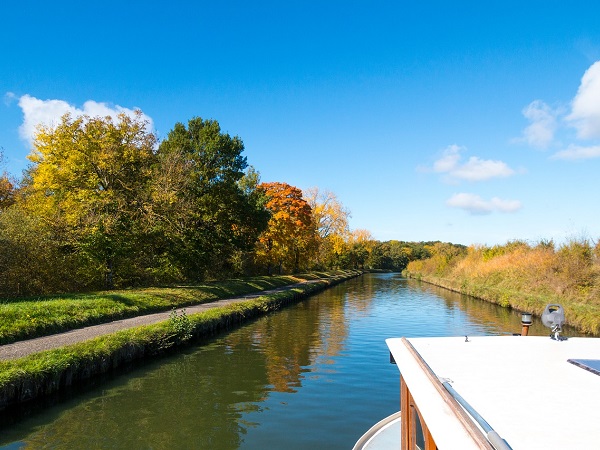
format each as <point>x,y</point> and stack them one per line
<point>540,133</point>
<point>476,205</point>
<point>585,113</point>
<point>576,152</point>
<point>49,112</point>
<point>9,97</point>
<point>474,169</point>
<point>449,160</point>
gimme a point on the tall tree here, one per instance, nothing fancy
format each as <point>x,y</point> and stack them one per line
<point>290,235</point>
<point>331,223</point>
<point>89,182</point>
<point>243,260</point>
<point>203,214</point>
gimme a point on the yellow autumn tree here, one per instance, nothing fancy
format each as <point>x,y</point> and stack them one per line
<point>289,240</point>
<point>331,223</point>
<point>88,181</point>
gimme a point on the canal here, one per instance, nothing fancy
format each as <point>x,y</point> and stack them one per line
<point>315,375</point>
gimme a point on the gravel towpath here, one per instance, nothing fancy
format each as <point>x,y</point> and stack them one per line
<point>24,348</point>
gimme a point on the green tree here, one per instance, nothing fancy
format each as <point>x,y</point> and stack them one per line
<point>202,214</point>
<point>243,261</point>
<point>395,255</point>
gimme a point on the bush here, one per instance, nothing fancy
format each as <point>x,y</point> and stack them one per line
<point>31,262</point>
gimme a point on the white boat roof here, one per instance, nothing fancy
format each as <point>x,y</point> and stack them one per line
<point>524,387</point>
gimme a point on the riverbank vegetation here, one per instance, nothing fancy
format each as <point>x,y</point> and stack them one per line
<point>523,276</point>
<point>105,205</point>
<point>26,318</point>
<point>51,371</point>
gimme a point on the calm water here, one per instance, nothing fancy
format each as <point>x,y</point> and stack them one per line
<point>313,376</point>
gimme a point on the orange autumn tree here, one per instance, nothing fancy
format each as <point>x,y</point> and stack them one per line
<point>288,241</point>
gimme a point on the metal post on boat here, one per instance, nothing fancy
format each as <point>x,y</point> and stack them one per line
<point>526,322</point>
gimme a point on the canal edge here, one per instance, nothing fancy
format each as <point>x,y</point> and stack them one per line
<point>59,369</point>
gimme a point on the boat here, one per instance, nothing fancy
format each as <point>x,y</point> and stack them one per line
<point>494,392</point>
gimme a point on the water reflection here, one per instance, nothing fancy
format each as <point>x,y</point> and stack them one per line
<point>494,319</point>
<point>171,406</point>
<point>312,375</point>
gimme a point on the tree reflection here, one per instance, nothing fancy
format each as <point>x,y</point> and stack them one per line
<point>200,399</point>
<point>188,402</point>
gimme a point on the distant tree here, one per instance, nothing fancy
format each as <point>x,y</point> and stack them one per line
<point>362,243</point>
<point>443,255</point>
<point>289,238</point>
<point>395,255</point>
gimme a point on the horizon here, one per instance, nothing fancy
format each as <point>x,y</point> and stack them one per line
<point>430,122</point>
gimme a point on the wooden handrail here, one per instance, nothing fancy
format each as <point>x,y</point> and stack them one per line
<point>465,420</point>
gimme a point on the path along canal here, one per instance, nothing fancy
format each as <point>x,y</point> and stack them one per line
<point>315,375</point>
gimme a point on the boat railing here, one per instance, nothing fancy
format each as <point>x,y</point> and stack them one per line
<point>493,437</point>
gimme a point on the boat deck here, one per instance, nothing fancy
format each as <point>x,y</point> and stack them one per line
<point>524,387</point>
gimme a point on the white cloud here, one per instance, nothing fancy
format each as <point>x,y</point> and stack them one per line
<point>474,204</point>
<point>475,169</point>
<point>449,159</point>
<point>9,97</point>
<point>585,113</point>
<point>576,152</point>
<point>540,132</point>
<point>49,113</point>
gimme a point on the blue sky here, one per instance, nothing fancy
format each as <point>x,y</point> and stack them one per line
<point>468,122</point>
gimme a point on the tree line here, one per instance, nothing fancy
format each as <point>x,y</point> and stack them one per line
<point>104,204</point>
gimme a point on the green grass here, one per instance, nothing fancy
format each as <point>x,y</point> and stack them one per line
<point>49,371</point>
<point>27,318</point>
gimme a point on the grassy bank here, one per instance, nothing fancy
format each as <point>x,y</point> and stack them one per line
<point>524,276</point>
<point>33,317</point>
<point>48,372</point>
